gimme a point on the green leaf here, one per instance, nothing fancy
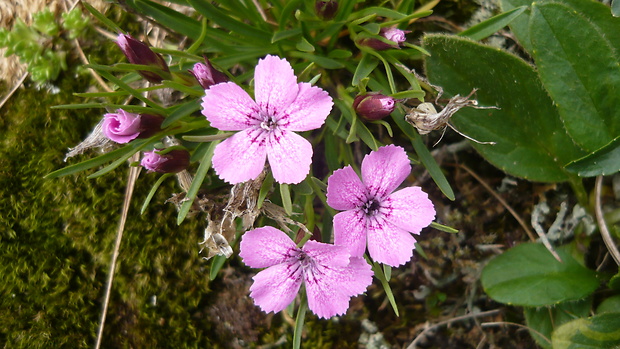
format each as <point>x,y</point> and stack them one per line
<point>201,173</point>
<point>366,65</point>
<point>88,164</point>
<point>599,331</point>
<point>529,275</point>
<point>218,16</point>
<point>492,25</point>
<point>614,282</point>
<point>579,83</point>
<point>216,266</point>
<point>615,8</point>
<point>299,322</point>
<point>442,227</point>
<point>102,18</point>
<point>137,145</point>
<point>285,34</point>
<point>531,141</point>
<point>153,191</point>
<point>609,305</point>
<point>304,46</point>
<point>181,111</point>
<point>546,319</point>
<point>602,162</point>
<point>168,17</point>
<point>376,267</point>
<point>324,62</point>
<point>287,203</point>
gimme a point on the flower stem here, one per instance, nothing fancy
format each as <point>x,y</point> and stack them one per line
<point>299,322</point>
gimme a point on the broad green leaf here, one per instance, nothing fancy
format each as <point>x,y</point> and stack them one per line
<point>609,305</point>
<point>599,331</point>
<point>602,162</point>
<point>614,282</point>
<point>581,85</point>
<point>545,319</point>
<point>531,141</point>
<point>492,25</point>
<point>615,8</point>
<point>529,275</point>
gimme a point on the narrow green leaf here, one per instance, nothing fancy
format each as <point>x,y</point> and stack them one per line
<point>304,46</point>
<point>579,83</point>
<point>285,194</point>
<point>493,24</point>
<point>602,162</point>
<point>153,191</point>
<point>299,322</point>
<point>201,173</point>
<point>102,18</point>
<point>366,65</point>
<point>131,91</point>
<point>376,267</point>
<point>285,34</point>
<point>136,146</point>
<point>90,163</point>
<point>181,111</point>
<point>216,15</point>
<point>216,266</point>
<point>265,189</point>
<point>442,227</point>
<point>339,54</point>
<point>325,62</point>
<point>170,18</point>
<point>529,275</point>
<point>531,142</point>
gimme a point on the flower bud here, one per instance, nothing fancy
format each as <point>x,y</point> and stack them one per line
<point>138,52</point>
<point>207,75</point>
<point>122,127</point>
<point>374,106</point>
<point>326,9</point>
<point>173,161</point>
<point>395,37</point>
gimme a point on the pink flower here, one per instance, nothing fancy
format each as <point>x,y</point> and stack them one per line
<point>330,276</point>
<point>394,35</point>
<point>123,127</point>
<point>266,127</point>
<point>373,213</point>
<point>173,161</point>
<point>207,75</point>
<point>374,106</point>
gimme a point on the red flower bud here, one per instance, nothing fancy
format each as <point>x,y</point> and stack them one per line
<point>207,75</point>
<point>138,52</point>
<point>173,161</point>
<point>326,9</point>
<point>374,106</point>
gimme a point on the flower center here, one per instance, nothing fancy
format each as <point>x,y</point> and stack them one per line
<point>371,207</point>
<point>268,123</point>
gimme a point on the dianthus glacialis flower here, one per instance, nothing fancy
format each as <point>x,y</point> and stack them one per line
<point>373,213</point>
<point>266,127</point>
<point>123,127</point>
<point>331,277</point>
<point>173,161</point>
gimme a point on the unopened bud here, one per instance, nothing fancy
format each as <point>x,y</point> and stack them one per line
<point>173,161</point>
<point>374,106</point>
<point>207,75</point>
<point>123,127</point>
<point>138,52</point>
<point>326,9</point>
<point>394,36</point>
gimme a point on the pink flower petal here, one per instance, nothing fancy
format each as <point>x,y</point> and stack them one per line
<point>325,294</point>
<point>385,169</point>
<point>241,157</point>
<point>410,209</point>
<point>345,190</point>
<point>229,108</point>
<point>350,231</point>
<point>308,111</point>
<point>275,85</point>
<point>387,243</point>
<point>327,254</point>
<point>290,156</point>
<point>264,247</point>
<point>276,287</point>
<point>359,277</point>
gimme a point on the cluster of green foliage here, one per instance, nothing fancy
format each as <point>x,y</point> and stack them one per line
<point>43,46</point>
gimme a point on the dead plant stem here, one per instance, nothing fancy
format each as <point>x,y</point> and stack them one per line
<point>598,211</point>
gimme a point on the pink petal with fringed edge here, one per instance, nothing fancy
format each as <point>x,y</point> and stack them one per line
<point>275,85</point>
<point>241,157</point>
<point>308,111</point>
<point>325,296</point>
<point>350,231</point>
<point>229,108</point>
<point>359,277</point>
<point>410,209</point>
<point>289,155</point>
<point>276,287</point>
<point>327,254</point>
<point>264,247</point>
<point>387,243</point>
<point>384,170</point>
<point>345,190</point>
